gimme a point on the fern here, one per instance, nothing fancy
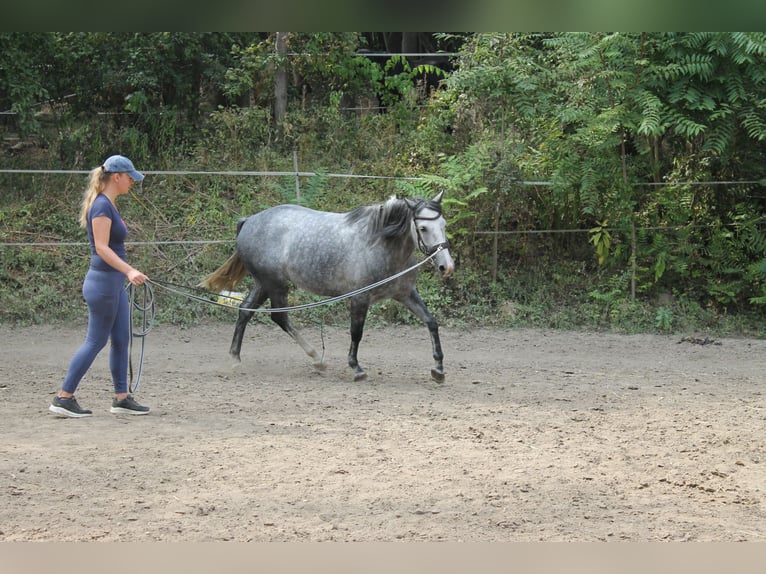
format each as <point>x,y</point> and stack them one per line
<point>749,45</point>
<point>753,123</point>
<point>735,89</point>
<point>699,65</point>
<point>721,135</point>
<point>652,109</point>
<point>753,239</point>
<point>685,126</point>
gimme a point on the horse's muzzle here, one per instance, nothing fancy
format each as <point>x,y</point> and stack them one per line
<point>444,263</point>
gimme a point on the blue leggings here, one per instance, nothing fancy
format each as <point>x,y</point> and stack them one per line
<point>108,317</point>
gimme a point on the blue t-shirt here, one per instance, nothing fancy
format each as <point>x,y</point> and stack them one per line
<point>117,234</point>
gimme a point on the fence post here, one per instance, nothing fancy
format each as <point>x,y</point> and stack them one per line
<point>494,242</point>
<point>297,178</point>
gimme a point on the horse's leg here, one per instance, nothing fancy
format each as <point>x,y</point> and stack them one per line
<point>414,303</point>
<point>359,309</point>
<point>254,299</point>
<point>280,300</point>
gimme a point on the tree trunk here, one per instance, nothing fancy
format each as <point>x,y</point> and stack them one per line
<point>410,42</point>
<point>280,84</point>
<point>392,40</point>
<point>633,240</point>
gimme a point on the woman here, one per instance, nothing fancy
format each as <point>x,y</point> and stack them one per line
<point>103,289</point>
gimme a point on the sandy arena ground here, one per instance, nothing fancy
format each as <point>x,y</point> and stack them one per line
<point>535,435</point>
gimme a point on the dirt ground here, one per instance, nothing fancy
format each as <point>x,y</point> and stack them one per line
<point>534,436</point>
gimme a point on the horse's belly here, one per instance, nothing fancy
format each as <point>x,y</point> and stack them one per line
<point>327,281</point>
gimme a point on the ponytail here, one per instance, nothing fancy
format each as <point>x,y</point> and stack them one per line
<point>96,183</point>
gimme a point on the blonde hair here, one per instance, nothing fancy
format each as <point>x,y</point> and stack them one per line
<point>96,184</point>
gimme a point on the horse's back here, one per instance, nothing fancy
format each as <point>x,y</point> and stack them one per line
<point>284,225</point>
<point>293,243</point>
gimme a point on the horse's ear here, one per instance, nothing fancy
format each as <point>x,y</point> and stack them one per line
<point>438,198</point>
<point>412,204</point>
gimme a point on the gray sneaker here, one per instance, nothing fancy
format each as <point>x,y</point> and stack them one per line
<point>68,408</point>
<point>128,406</point>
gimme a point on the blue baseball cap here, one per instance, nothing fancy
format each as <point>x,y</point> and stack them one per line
<point>121,164</point>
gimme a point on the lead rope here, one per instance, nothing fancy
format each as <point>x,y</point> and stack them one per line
<point>172,288</point>
<point>147,311</point>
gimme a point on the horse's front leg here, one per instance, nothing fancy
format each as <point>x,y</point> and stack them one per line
<point>414,303</point>
<point>254,299</point>
<point>359,309</point>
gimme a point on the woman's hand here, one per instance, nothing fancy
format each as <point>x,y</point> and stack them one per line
<point>136,277</point>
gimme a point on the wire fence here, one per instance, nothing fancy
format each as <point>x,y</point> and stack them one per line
<point>298,174</point>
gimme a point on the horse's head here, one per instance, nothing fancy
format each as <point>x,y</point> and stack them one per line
<point>431,231</point>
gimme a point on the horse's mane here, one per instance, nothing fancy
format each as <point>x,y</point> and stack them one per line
<point>389,220</point>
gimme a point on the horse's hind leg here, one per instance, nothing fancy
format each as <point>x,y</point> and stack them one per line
<point>254,299</point>
<point>414,303</point>
<point>281,319</point>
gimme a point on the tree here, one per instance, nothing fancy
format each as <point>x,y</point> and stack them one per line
<point>604,114</point>
<point>24,63</point>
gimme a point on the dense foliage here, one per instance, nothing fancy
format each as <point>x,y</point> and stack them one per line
<point>593,179</point>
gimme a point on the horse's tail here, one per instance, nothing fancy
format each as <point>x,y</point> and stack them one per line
<point>228,275</point>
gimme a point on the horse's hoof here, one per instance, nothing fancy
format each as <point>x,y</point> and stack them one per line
<point>437,375</point>
<point>321,366</point>
<point>360,376</point>
<point>235,362</point>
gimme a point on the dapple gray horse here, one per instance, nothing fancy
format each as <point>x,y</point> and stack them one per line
<point>332,254</point>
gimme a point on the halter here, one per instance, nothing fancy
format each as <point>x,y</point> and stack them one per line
<point>434,206</point>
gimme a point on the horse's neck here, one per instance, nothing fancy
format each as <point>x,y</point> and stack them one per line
<point>402,248</point>
<point>398,247</point>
